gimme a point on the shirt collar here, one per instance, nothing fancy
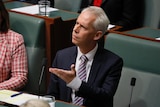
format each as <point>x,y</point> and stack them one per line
<point>89,55</point>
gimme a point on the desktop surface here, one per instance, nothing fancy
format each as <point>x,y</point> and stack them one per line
<point>10,98</point>
<point>145,32</point>
<point>15,4</point>
<point>57,104</point>
<point>65,15</point>
<point>64,104</point>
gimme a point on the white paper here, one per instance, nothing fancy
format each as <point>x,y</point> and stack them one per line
<point>34,9</point>
<point>5,96</point>
<point>110,26</point>
<point>158,38</point>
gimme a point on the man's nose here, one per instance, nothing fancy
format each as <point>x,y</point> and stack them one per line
<point>77,28</point>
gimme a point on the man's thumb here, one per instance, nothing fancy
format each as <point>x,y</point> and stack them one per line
<point>73,68</point>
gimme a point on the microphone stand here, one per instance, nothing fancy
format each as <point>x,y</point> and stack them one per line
<point>44,62</point>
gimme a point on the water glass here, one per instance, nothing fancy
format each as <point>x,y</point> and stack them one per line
<point>44,7</point>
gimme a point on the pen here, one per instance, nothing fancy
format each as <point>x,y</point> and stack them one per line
<point>16,94</point>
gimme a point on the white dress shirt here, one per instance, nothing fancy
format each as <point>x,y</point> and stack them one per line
<point>76,82</point>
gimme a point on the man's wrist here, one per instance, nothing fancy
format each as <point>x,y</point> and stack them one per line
<point>75,83</point>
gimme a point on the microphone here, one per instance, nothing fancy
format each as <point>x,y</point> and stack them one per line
<point>132,83</point>
<point>44,63</point>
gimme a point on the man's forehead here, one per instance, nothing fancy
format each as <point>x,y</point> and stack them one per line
<point>87,16</point>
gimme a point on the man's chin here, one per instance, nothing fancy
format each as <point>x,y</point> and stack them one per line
<point>74,42</point>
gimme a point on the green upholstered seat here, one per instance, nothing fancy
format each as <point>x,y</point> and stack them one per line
<point>137,53</point>
<point>15,4</point>
<point>70,5</point>
<point>145,92</point>
<point>141,61</point>
<point>151,13</point>
<point>33,31</point>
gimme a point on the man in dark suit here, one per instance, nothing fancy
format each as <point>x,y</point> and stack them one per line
<point>103,67</point>
<point>125,13</point>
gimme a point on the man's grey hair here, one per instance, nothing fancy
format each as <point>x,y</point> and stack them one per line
<point>101,23</point>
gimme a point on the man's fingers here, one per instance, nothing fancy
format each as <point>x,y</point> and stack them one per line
<point>73,69</point>
<point>55,71</point>
<point>66,75</point>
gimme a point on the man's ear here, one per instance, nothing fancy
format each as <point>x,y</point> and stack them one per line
<point>98,35</point>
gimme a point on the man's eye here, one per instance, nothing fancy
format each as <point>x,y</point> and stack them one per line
<point>83,27</point>
<point>77,23</point>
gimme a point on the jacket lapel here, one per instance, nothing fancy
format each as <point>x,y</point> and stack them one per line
<point>94,71</point>
<point>95,66</point>
<point>73,55</point>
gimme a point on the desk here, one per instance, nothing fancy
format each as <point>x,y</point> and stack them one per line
<point>7,101</point>
<point>143,33</point>
<point>64,104</point>
<point>15,4</point>
<point>57,104</point>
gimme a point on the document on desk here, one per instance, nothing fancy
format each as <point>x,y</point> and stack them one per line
<point>14,97</point>
<point>18,98</point>
<point>34,9</point>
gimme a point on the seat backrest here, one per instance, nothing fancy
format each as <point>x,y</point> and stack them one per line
<point>33,31</point>
<point>141,61</point>
<point>151,13</point>
<point>137,53</point>
<point>145,93</point>
<point>70,5</point>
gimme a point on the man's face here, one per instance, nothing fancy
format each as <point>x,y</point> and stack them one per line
<point>83,31</point>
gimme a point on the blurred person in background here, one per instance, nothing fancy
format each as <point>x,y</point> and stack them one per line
<point>125,13</point>
<point>13,57</point>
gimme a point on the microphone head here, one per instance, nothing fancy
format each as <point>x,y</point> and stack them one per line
<point>133,81</point>
<point>44,61</point>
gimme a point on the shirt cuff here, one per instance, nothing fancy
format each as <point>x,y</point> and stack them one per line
<point>75,84</point>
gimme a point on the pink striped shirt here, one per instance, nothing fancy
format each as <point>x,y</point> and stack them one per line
<point>13,61</point>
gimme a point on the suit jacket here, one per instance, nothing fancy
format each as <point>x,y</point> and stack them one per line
<point>102,82</point>
<point>126,13</point>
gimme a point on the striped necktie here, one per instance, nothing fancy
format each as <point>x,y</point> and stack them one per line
<point>82,76</point>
